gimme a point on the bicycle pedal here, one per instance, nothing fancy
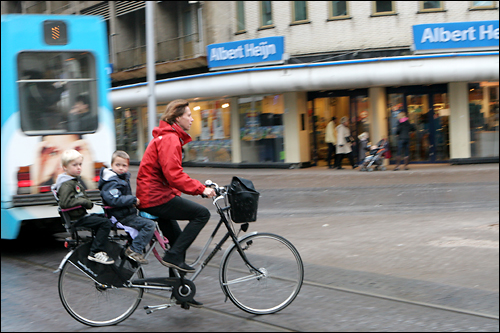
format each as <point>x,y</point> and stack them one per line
<point>152,308</point>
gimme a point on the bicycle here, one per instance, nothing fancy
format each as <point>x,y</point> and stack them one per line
<point>261,273</point>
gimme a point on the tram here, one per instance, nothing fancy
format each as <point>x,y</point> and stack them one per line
<point>55,85</point>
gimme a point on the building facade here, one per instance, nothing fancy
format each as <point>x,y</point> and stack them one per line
<point>367,60</point>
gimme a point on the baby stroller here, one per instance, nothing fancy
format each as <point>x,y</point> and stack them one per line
<point>375,159</point>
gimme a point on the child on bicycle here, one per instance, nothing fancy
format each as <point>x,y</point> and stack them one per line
<point>72,193</point>
<point>116,192</point>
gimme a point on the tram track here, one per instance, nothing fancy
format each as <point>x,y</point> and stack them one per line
<point>244,316</point>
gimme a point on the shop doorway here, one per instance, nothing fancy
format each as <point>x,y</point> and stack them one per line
<point>323,105</point>
<point>428,109</point>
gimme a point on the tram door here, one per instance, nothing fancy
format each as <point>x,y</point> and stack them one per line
<point>430,115</point>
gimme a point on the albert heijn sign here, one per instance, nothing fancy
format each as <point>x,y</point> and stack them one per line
<point>245,53</point>
<point>477,35</point>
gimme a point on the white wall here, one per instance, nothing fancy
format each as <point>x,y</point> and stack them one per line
<point>320,35</point>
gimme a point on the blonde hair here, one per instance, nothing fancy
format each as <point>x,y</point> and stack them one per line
<point>174,110</point>
<point>69,155</point>
<point>119,153</point>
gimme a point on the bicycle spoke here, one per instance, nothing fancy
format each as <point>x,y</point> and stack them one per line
<point>244,279</point>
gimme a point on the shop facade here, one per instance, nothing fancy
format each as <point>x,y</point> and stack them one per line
<point>275,115</point>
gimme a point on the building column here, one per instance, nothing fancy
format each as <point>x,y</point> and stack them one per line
<point>235,131</point>
<point>295,135</point>
<point>459,120</point>
<point>378,114</point>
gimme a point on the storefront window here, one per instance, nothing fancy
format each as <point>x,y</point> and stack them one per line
<point>354,107</point>
<point>211,132</point>
<point>261,128</point>
<point>483,115</point>
<point>126,124</point>
<point>395,106</point>
<point>429,112</point>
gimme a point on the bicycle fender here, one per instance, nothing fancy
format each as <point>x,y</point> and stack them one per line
<point>66,257</point>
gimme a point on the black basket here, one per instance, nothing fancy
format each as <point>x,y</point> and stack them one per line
<point>244,200</point>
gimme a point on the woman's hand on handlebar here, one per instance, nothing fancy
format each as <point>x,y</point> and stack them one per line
<point>208,192</point>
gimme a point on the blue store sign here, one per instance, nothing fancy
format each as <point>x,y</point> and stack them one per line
<point>244,53</point>
<point>457,35</point>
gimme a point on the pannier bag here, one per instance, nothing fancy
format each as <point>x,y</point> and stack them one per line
<point>243,199</point>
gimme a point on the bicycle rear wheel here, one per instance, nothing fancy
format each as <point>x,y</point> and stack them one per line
<point>93,304</point>
<point>278,285</point>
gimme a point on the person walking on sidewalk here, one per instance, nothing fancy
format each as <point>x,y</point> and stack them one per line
<point>344,142</point>
<point>331,140</point>
<point>403,132</point>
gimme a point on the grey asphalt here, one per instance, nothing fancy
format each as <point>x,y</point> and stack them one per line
<point>426,238</point>
<point>428,234</point>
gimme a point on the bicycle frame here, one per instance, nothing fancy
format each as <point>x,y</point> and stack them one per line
<point>230,233</point>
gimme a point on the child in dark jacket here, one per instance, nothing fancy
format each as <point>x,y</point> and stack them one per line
<point>116,192</point>
<point>71,193</point>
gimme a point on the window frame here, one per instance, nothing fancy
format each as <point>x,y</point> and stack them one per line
<point>240,31</point>
<point>262,25</point>
<point>339,17</point>
<point>388,13</point>
<point>472,7</point>
<point>294,21</point>
<point>421,8</point>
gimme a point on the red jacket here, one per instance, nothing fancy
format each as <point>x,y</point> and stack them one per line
<point>160,175</point>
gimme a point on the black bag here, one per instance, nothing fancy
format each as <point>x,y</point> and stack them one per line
<point>243,199</point>
<point>115,275</point>
<point>348,139</point>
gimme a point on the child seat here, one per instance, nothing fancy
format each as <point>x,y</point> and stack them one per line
<point>67,223</point>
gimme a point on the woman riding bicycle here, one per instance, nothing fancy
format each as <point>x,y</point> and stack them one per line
<point>161,179</point>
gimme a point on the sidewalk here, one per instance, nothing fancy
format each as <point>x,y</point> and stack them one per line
<point>321,176</point>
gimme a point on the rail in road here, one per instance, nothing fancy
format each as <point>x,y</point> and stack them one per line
<point>319,307</point>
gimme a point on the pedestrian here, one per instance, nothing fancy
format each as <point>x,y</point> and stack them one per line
<point>161,180</point>
<point>79,116</point>
<point>344,142</point>
<point>71,193</point>
<point>114,184</point>
<point>403,132</point>
<point>331,140</point>
<point>363,146</point>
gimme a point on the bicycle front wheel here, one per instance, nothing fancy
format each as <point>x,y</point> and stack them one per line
<point>275,286</point>
<point>92,303</point>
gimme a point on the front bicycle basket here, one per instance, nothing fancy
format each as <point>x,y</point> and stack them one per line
<point>244,200</point>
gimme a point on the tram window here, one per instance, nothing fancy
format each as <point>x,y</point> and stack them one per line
<point>57,92</point>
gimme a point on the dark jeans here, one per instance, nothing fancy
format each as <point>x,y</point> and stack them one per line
<point>331,152</point>
<point>404,147</point>
<point>340,157</point>
<point>180,209</point>
<point>146,229</point>
<point>101,226</point>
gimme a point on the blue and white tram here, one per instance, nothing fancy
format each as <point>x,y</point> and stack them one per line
<point>54,97</point>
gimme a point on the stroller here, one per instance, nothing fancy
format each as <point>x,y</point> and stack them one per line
<point>375,159</point>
